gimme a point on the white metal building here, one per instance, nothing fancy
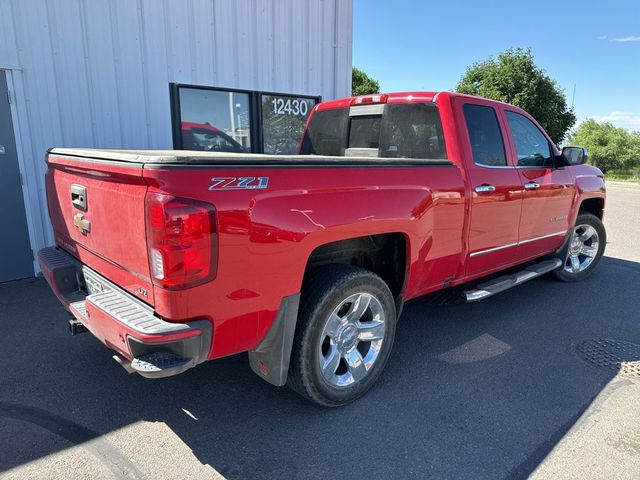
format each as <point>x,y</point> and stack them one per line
<point>97,73</point>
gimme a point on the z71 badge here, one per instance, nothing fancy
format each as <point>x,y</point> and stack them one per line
<point>238,183</point>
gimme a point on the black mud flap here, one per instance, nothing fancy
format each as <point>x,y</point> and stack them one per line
<point>270,360</point>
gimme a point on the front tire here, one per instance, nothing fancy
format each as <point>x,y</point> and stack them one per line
<point>584,249</point>
<point>345,332</point>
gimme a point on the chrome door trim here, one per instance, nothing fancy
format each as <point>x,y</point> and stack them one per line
<point>518,167</point>
<point>515,244</point>
<point>555,234</point>
<point>494,249</point>
<point>493,166</point>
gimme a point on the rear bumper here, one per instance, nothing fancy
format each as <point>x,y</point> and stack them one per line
<point>122,322</point>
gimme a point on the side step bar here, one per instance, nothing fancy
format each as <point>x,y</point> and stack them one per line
<point>505,282</point>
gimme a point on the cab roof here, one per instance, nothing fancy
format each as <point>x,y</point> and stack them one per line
<point>394,97</point>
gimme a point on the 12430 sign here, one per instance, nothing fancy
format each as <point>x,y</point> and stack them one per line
<point>288,106</point>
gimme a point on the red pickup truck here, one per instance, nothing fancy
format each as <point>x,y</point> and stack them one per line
<point>172,258</point>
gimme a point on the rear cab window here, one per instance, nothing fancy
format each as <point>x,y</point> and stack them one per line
<point>399,130</point>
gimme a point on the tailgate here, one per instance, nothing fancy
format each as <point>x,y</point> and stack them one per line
<point>97,210</point>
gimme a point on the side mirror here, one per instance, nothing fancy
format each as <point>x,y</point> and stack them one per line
<point>574,155</point>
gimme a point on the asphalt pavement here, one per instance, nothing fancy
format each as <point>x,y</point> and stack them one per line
<point>491,390</point>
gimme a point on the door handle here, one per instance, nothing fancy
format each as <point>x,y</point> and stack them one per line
<point>485,188</point>
<point>531,185</point>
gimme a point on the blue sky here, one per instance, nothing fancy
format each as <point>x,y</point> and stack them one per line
<point>424,45</point>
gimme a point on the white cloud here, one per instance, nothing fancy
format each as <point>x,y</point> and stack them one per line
<point>628,38</point>
<point>628,120</point>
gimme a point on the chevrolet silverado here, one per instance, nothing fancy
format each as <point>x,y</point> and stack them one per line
<point>173,258</point>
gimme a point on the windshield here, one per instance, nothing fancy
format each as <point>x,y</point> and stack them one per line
<point>403,130</point>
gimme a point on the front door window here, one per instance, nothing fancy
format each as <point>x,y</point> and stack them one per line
<point>532,147</point>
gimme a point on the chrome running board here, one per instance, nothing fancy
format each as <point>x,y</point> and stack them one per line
<point>506,282</point>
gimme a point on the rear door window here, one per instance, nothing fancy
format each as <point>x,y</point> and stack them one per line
<point>409,130</point>
<point>487,144</point>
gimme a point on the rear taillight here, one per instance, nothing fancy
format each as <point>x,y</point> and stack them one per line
<point>182,241</point>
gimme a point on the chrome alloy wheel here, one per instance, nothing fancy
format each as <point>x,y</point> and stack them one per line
<point>583,248</point>
<point>351,340</point>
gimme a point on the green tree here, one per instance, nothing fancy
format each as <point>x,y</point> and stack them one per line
<point>514,78</point>
<point>610,148</point>
<point>363,84</point>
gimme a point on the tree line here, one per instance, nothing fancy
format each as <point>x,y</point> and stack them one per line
<point>513,77</point>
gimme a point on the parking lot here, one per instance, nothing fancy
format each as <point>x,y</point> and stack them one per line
<point>489,390</point>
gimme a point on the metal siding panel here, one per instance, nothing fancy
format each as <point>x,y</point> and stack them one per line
<point>281,21</point>
<point>72,84</point>
<point>38,106</point>
<point>204,42</point>
<point>131,95</point>
<point>157,73</point>
<point>313,33</point>
<point>97,72</point>
<point>316,53</point>
<point>179,40</point>
<point>34,43</point>
<point>345,47</point>
<point>226,58</point>
<point>327,46</point>
<point>99,52</point>
<point>264,49</point>
<point>297,58</point>
<point>8,50</point>
<point>245,46</point>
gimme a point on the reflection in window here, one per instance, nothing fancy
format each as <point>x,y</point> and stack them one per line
<point>412,131</point>
<point>327,133</point>
<point>487,145</point>
<point>403,131</point>
<point>214,120</point>
<point>532,147</point>
<point>283,121</point>
<point>365,132</point>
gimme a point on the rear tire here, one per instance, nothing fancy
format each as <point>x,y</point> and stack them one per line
<point>583,251</point>
<point>344,336</point>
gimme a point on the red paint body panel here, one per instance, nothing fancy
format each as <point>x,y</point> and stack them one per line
<point>266,236</point>
<point>116,244</point>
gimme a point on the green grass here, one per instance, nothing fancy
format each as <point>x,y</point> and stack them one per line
<point>623,176</point>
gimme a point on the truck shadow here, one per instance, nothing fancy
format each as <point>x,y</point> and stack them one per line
<point>472,391</point>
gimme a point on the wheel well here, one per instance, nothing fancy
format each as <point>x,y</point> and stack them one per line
<point>595,206</point>
<point>383,254</point>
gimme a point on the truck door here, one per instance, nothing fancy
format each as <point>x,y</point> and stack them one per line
<point>496,190</point>
<point>548,191</point>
